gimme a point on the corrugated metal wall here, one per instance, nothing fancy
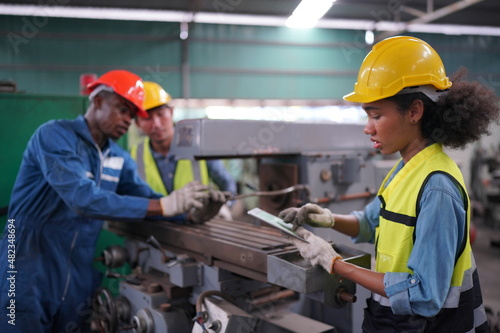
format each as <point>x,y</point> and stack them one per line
<point>47,55</point>
<point>50,58</point>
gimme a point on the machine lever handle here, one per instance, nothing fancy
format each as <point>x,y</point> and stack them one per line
<point>345,296</point>
<point>154,243</point>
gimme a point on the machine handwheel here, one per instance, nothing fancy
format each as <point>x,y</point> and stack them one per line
<point>104,313</point>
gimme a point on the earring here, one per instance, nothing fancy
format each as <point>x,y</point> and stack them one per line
<point>413,122</point>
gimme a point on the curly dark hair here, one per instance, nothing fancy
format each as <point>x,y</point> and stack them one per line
<point>460,116</point>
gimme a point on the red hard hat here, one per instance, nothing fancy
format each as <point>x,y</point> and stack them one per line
<point>126,84</point>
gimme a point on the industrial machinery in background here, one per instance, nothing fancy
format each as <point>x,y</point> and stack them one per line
<point>241,276</point>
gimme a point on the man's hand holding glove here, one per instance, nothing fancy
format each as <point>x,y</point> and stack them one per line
<point>310,214</point>
<point>318,251</point>
<point>211,206</point>
<point>192,195</point>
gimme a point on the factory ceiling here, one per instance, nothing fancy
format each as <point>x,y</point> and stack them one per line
<point>369,14</point>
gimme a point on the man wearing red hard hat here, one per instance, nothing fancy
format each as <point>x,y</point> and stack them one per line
<point>72,176</point>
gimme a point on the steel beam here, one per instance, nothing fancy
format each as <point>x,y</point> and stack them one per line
<point>430,16</point>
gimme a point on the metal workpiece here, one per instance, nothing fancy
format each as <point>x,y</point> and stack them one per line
<point>290,270</point>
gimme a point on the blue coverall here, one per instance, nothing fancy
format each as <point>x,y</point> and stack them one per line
<point>65,187</point>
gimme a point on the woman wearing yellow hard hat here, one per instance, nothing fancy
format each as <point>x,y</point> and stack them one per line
<point>425,277</point>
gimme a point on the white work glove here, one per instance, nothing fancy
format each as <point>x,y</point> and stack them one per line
<point>318,251</point>
<point>182,200</point>
<point>225,213</point>
<point>211,206</point>
<point>310,214</point>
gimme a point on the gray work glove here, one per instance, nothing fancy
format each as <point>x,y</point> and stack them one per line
<point>211,206</point>
<point>310,214</point>
<point>182,200</point>
<point>318,251</point>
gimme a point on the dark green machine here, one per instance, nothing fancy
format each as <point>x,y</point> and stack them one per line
<point>21,115</point>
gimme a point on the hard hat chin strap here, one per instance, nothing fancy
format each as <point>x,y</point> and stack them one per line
<point>428,90</point>
<point>98,89</point>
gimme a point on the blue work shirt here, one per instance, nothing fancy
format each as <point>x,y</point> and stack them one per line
<point>439,233</point>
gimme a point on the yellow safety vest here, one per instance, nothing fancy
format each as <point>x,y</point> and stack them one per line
<point>148,170</point>
<point>394,237</point>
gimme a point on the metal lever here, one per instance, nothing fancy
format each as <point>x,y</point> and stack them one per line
<point>154,243</point>
<point>345,296</point>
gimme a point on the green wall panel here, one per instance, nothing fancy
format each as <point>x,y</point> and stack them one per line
<point>269,86</point>
<point>265,57</point>
<point>66,82</point>
<point>224,60</point>
<point>48,57</point>
<point>273,62</point>
<point>21,116</point>
<point>247,33</point>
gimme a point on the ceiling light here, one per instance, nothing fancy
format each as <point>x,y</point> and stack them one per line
<point>184,30</point>
<point>237,19</point>
<point>308,12</point>
<point>369,37</point>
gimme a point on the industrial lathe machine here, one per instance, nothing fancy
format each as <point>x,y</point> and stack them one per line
<point>244,275</point>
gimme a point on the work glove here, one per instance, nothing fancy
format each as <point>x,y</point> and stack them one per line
<point>310,214</point>
<point>192,195</point>
<point>317,251</point>
<point>225,213</point>
<point>210,207</point>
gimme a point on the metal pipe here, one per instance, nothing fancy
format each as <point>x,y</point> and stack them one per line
<point>345,296</point>
<point>298,187</point>
<point>273,297</point>
<point>207,293</point>
<point>362,195</point>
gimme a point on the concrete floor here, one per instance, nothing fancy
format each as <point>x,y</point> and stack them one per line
<point>488,264</point>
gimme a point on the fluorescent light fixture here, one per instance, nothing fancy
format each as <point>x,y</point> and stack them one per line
<point>308,12</point>
<point>369,37</point>
<point>184,30</point>
<point>227,18</point>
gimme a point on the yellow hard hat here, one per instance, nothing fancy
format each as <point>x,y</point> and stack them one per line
<point>396,63</point>
<point>155,95</point>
